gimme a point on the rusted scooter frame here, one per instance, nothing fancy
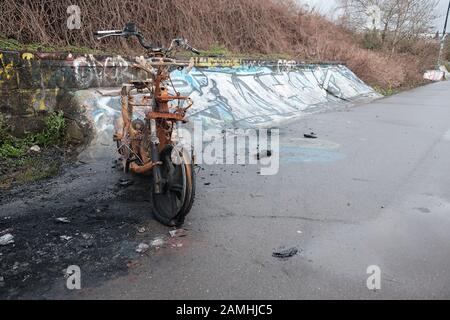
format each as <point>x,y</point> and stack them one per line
<point>159,120</point>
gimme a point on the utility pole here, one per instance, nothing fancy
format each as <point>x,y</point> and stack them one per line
<point>441,49</point>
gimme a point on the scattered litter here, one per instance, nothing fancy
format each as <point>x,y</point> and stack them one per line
<point>66,238</point>
<point>207,183</point>
<point>299,232</point>
<point>2,281</point>
<point>178,233</point>
<point>35,148</point>
<point>158,242</point>
<point>87,236</point>
<point>141,230</point>
<point>62,220</point>
<point>6,239</point>
<point>125,183</point>
<point>311,135</point>
<point>434,75</point>
<point>142,248</point>
<point>285,253</point>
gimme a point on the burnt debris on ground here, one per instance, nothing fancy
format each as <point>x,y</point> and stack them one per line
<point>42,249</point>
<point>283,253</point>
<point>80,218</point>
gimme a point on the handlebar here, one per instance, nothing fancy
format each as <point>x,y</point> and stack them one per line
<point>130,30</point>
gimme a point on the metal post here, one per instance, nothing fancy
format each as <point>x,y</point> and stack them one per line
<point>441,49</point>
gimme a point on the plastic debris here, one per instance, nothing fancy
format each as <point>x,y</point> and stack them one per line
<point>285,253</point>
<point>35,148</point>
<point>158,242</point>
<point>141,229</point>
<point>66,238</point>
<point>142,248</point>
<point>6,239</point>
<point>311,135</point>
<point>87,236</point>
<point>62,220</point>
<point>178,233</point>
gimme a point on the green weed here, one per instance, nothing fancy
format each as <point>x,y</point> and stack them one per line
<point>53,134</point>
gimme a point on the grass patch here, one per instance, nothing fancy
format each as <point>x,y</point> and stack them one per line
<point>53,134</point>
<point>217,50</point>
<point>222,51</point>
<point>389,91</point>
<point>18,165</point>
<point>14,45</point>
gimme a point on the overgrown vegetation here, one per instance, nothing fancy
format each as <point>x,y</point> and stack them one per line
<point>53,134</point>
<point>385,91</point>
<point>220,27</point>
<point>14,45</point>
<point>18,164</point>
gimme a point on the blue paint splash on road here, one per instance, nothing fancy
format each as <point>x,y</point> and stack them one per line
<point>289,155</point>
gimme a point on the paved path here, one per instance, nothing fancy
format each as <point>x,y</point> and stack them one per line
<point>374,189</point>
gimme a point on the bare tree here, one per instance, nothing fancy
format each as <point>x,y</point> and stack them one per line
<point>399,19</point>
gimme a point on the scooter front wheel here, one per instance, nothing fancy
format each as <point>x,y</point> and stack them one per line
<point>178,188</point>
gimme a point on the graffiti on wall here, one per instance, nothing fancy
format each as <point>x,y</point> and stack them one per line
<point>260,96</point>
<point>27,71</point>
<point>227,92</point>
<point>92,72</point>
<point>244,97</point>
<point>6,69</point>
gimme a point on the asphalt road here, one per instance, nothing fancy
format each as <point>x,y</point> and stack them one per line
<point>373,189</point>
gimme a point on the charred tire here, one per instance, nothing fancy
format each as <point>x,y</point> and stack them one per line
<point>175,202</point>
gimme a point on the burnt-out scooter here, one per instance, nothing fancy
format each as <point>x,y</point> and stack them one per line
<point>150,127</point>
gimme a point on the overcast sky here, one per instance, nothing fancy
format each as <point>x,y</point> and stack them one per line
<point>327,7</point>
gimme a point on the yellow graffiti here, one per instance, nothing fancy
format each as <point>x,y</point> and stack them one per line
<point>40,97</point>
<point>42,106</point>
<point>217,62</point>
<point>39,103</point>
<point>27,56</point>
<point>6,71</point>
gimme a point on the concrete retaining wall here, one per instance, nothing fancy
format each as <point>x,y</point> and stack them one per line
<point>227,92</point>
